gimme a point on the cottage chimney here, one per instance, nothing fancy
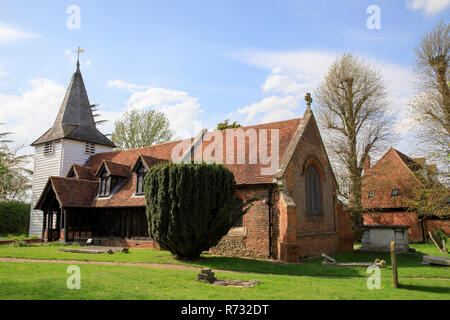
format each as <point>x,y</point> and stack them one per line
<point>366,165</point>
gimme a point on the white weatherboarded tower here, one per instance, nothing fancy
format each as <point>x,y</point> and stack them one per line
<point>73,139</point>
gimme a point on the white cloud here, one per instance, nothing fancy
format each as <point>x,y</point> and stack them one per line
<point>430,7</point>
<point>119,84</point>
<point>293,73</point>
<point>181,109</point>
<point>306,62</point>
<point>8,34</point>
<point>32,112</point>
<point>273,109</point>
<point>399,83</point>
<point>285,83</point>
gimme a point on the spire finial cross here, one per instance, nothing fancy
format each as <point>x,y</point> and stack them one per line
<point>309,100</point>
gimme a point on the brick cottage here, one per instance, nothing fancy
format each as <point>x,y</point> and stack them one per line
<point>83,189</point>
<point>387,186</point>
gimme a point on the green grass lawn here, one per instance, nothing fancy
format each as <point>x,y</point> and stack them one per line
<point>279,281</point>
<point>409,264</point>
<point>48,281</point>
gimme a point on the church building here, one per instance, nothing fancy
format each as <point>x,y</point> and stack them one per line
<point>84,189</point>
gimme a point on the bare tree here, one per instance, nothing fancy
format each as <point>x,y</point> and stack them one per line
<point>351,110</point>
<point>430,107</point>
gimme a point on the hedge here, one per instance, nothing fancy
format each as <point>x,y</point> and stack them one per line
<point>190,207</point>
<point>14,217</point>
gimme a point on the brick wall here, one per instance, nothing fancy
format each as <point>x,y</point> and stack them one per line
<point>397,218</point>
<point>253,239</point>
<point>406,219</point>
<point>435,224</point>
<point>344,229</point>
<point>147,244</point>
<point>295,234</point>
<point>315,234</point>
<point>389,173</point>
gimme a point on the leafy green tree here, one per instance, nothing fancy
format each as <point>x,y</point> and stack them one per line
<point>14,176</point>
<point>3,159</point>
<point>190,207</point>
<point>429,198</point>
<point>141,128</point>
<point>14,217</point>
<point>227,125</point>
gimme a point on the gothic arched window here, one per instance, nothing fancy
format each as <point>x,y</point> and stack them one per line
<point>313,191</point>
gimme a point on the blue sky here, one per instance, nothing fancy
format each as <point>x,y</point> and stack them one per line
<point>200,61</point>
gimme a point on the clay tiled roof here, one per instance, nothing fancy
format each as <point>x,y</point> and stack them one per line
<point>74,193</point>
<point>394,171</point>
<point>120,163</point>
<point>244,174</point>
<point>150,161</point>
<point>115,169</point>
<point>85,173</point>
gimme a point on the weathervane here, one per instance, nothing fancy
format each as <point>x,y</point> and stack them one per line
<point>78,52</point>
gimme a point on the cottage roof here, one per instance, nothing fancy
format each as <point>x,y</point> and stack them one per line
<point>394,171</point>
<point>74,193</point>
<point>82,172</point>
<point>123,163</point>
<point>244,174</point>
<point>115,169</point>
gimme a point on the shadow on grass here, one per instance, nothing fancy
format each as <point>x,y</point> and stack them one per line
<point>309,268</point>
<point>314,267</point>
<point>422,288</point>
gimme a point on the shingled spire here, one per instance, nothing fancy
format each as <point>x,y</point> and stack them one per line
<point>75,120</point>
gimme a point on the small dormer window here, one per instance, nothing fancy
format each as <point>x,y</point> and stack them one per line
<point>105,184</point>
<point>72,174</point>
<point>371,194</point>
<point>112,176</point>
<point>89,148</point>
<point>48,148</point>
<point>140,175</point>
<point>395,193</point>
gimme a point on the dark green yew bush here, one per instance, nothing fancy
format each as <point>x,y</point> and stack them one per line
<point>190,207</point>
